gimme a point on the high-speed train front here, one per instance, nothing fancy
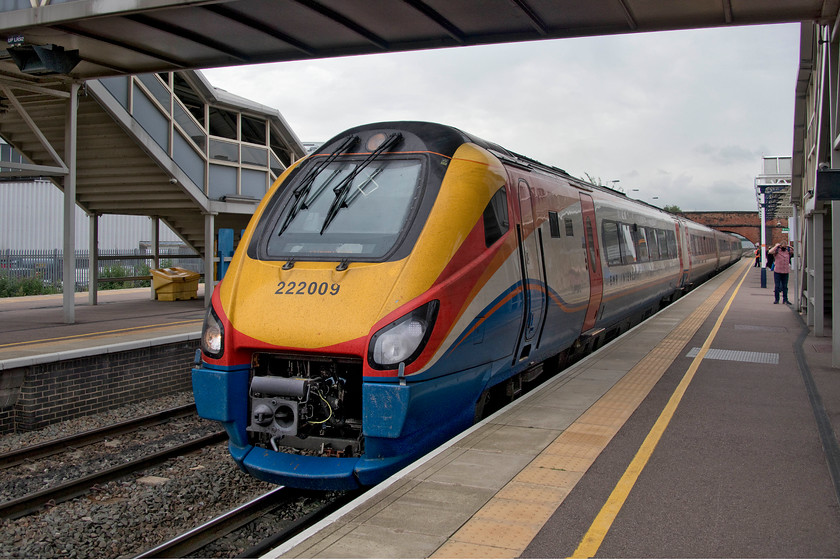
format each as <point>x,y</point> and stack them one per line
<point>348,335</point>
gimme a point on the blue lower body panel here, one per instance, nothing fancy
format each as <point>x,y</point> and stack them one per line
<point>222,395</point>
<point>318,473</point>
<point>300,471</point>
<point>400,424</point>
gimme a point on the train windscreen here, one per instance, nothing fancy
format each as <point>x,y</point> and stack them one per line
<point>346,209</point>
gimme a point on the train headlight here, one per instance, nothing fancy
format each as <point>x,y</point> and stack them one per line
<point>212,335</point>
<point>404,339</point>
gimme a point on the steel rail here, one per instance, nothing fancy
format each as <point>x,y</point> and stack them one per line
<point>25,505</point>
<point>301,524</point>
<point>221,526</point>
<point>52,447</point>
<point>194,539</point>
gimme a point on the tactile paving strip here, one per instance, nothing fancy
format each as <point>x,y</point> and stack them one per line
<point>737,356</point>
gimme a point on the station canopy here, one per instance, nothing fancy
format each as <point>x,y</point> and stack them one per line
<point>86,39</point>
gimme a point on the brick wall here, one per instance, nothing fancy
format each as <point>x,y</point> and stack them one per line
<point>58,391</point>
<point>747,224</point>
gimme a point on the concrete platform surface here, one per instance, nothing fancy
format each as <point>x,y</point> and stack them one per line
<point>32,329</point>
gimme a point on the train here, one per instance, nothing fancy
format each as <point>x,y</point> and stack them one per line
<point>395,282</point>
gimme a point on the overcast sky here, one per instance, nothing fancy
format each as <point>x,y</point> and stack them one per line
<point>685,116</point>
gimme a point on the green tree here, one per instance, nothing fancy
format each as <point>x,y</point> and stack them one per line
<point>672,208</point>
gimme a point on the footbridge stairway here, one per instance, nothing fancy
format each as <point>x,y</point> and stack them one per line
<point>168,146</point>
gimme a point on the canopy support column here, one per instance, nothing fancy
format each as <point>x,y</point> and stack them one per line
<point>69,271</point>
<point>209,256</point>
<point>155,250</point>
<point>93,260</point>
<point>835,283</point>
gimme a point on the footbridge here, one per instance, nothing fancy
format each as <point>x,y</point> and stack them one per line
<point>745,224</point>
<point>166,145</point>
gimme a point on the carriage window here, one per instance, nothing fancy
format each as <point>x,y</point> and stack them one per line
<point>611,244</point>
<point>496,221</point>
<point>554,224</point>
<point>570,228</point>
<point>628,250</point>
<point>662,239</point>
<point>653,244</point>
<point>672,244</point>
<point>642,244</point>
<point>618,243</point>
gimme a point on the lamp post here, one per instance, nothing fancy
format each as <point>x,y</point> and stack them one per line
<point>637,190</point>
<point>762,205</point>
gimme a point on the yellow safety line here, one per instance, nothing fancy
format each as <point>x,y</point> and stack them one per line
<point>593,538</point>
<point>95,334</point>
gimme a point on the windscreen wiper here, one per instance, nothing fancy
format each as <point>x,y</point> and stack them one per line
<point>344,187</point>
<point>301,192</point>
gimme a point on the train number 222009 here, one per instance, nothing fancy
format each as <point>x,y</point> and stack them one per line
<point>306,288</point>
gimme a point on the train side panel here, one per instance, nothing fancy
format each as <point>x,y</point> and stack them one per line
<point>554,263</point>
<point>640,258</point>
<point>702,249</point>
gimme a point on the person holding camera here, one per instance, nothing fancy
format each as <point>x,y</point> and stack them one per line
<point>782,254</point>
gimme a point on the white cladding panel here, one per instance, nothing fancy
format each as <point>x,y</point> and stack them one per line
<point>32,218</point>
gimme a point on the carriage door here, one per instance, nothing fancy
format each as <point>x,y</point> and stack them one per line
<point>593,261</point>
<point>683,268</point>
<point>531,263</point>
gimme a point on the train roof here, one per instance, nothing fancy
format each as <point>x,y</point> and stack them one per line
<point>445,139</point>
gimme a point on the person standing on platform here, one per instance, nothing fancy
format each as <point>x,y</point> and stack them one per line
<point>757,257</point>
<point>781,258</point>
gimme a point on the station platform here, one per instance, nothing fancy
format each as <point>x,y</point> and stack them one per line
<point>704,432</point>
<point>32,328</point>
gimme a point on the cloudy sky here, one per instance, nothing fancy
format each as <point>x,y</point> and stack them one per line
<point>685,116</point>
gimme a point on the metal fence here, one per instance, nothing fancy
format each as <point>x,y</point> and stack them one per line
<point>113,266</point>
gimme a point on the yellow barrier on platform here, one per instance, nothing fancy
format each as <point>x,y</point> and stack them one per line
<point>174,283</point>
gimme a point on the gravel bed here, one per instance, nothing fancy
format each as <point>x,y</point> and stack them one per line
<point>51,471</point>
<point>10,442</point>
<point>126,517</point>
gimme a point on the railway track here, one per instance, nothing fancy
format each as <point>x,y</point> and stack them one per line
<point>34,501</point>
<point>238,518</point>
<point>75,441</point>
